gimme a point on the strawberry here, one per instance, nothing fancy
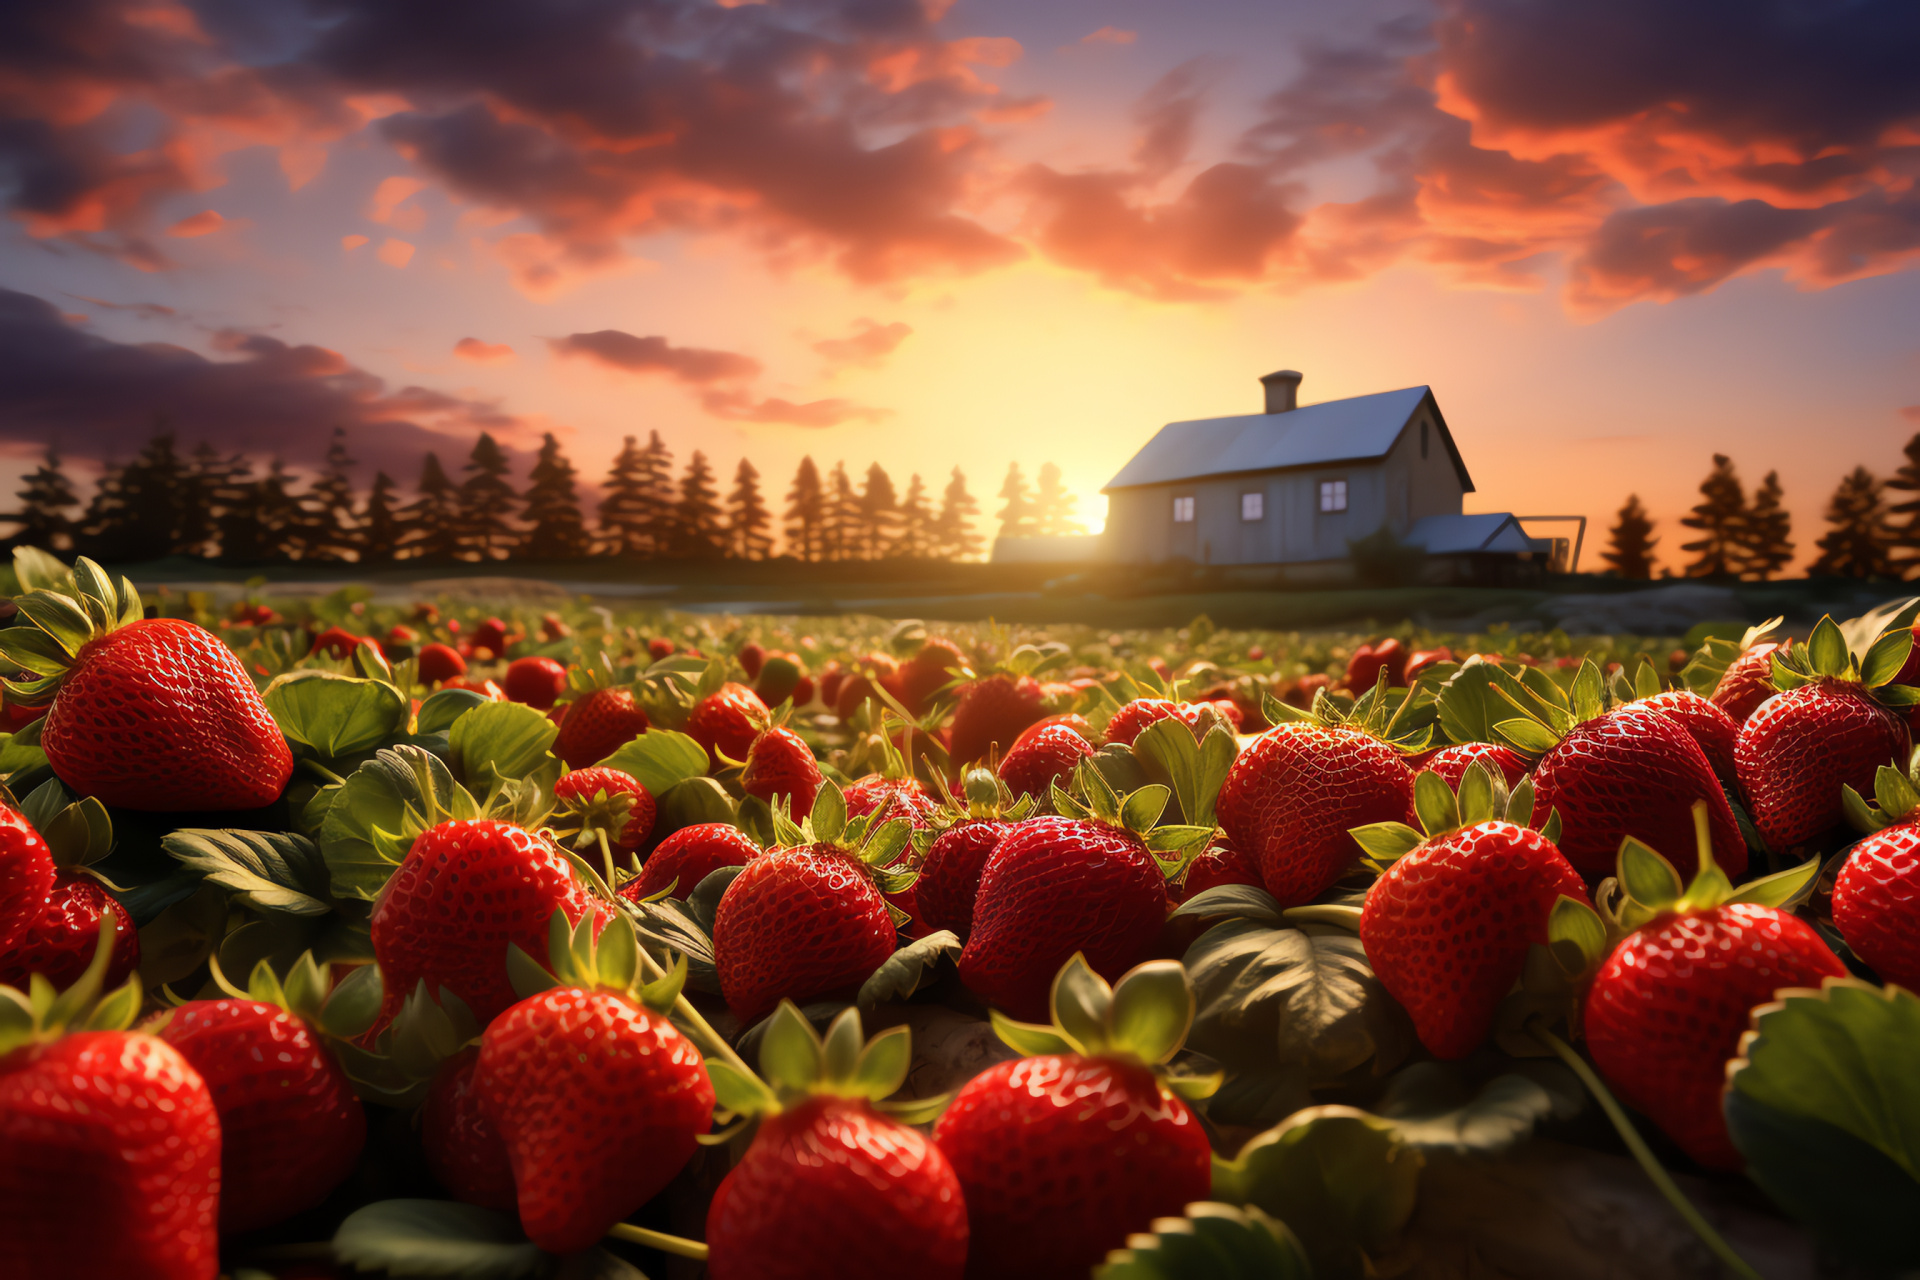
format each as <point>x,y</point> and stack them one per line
<point>1225,710</point>
<point>833,1185</point>
<point>291,1129</point>
<point>601,800</point>
<point>1072,720</point>
<point>597,1096</point>
<point>491,635</point>
<point>1222,863</point>
<point>1369,660</point>
<point>726,722</point>
<point>147,713</point>
<point>466,890</point>
<point>751,656</point>
<point>439,663</point>
<point>1448,926</point>
<point>660,648</point>
<point>109,1143</point>
<point>1451,763</point>
<point>806,918</point>
<point>337,642</point>
<point>950,872</point>
<point>1136,715</point>
<point>1876,897</point>
<point>689,856</point>
<point>929,670</point>
<point>536,681</point>
<point>598,725</point>
<point>1668,1007</point>
<point>552,628</point>
<point>780,678</point>
<point>876,670</point>
<point>1705,722</point>
<point>1421,659</point>
<point>1064,1153</point>
<point>1748,680</point>
<point>1039,761</point>
<point>57,944</point>
<point>992,711</point>
<point>780,763</point>
<point>26,877</point>
<point>463,1149</point>
<point>904,797</point>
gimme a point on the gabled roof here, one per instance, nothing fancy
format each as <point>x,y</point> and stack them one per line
<point>1357,429</point>
<point>1487,531</point>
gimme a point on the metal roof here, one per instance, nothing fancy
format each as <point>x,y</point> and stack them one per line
<point>1356,429</point>
<point>1485,531</point>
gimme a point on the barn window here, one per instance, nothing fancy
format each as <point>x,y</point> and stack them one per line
<point>1333,495</point>
<point>1253,506</point>
<point>1423,439</point>
<point>1183,510</point>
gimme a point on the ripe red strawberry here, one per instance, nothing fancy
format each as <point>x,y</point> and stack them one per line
<point>1451,763</point>
<point>337,642</point>
<point>1136,715</point>
<point>536,681</point>
<point>1047,757</point>
<point>26,877</point>
<point>598,725</point>
<point>949,880</point>
<point>147,713</point>
<point>1063,1154</point>
<point>463,1149</point>
<point>1291,797</point>
<point>798,923</point>
<point>1226,710</point>
<point>930,669</point>
<point>905,797</point>
<point>1364,667</point>
<point>599,1101</point>
<point>60,941</point>
<point>439,663</point>
<point>1071,719</point>
<point>780,763</point>
<point>1704,721</point>
<point>727,721</point>
<point>1748,681</point>
<point>491,635</point>
<point>1876,902</point>
<point>1222,863</point>
<point>751,656</point>
<point>992,711</point>
<point>466,890</point>
<point>689,856</point>
<point>660,648</point>
<point>290,1128</point>
<point>1796,752</point>
<point>611,799</point>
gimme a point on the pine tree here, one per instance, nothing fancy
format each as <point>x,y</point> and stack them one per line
<point>879,514</point>
<point>381,524</point>
<point>156,496</point>
<point>237,521</point>
<point>1903,518</point>
<point>1856,545</point>
<point>1721,520</point>
<point>42,517</point>
<point>806,513</point>
<point>432,531</point>
<point>553,507</point>
<point>699,534</point>
<point>916,522</point>
<point>1053,505</point>
<point>1630,544</point>
<point>747,516</point>
<point>332,532</point>
<point>100,533</point>
<point>1766,543</point>
<point>658,520</point>
<point>283,523</point>
<point>954,536</point>
<point>486,504</point>
<point>200,528</point>
<point>1017,516</point>
<point>840,523</point>
<point>626,505</point>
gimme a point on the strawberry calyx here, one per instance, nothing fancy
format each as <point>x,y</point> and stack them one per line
<point>1827,656</point>
<point>41,1014</point>
<point>1144,1018</point>
<point>1648,886</point>
<point>1483,797</point>
<point>1895,800</point>
<point>1395,716</point>
<point>345,1010</point>
<point>1093,799</point>
<point>398,1067</point>
<point>874,841</point>
<point>1710,661</point>
<point>575,958</point>
<point>585,820</point>
<point>797,1063</point>
<point>64,624</point>
<point>78,833</point>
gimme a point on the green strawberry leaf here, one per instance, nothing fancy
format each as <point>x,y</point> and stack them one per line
<point>437,1238</point>
<point>20,753</point>
<point>1213,1242</point>
<point>1243,901</point>
<point>1468,706</point>
<point>658,759</point>
<point>503,742</point>
<point>1436,1106</point>
<point>1886,657</point>
<point>335,714</point>
<point>1827,649</point>
<point>267,870</point>
<point>689,803</point>
<point>38,570</point>
<point>908,969</point>
<point>398,793</point>
<point>439,710</point>
<point>703,903</point>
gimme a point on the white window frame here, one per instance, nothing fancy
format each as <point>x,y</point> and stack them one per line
<point>1333,497</point>
<point>1253,507</point>
<point>1183,510</point>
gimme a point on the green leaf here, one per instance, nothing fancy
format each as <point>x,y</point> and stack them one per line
<point>791,1054</point>
<point>1897,695</point>
<point>1244,900</point>
<point>1143,808</point>
<point>1588,694</point>
<point>1080,1001</point>
<point>335,714</point>
<point>1579,926</point>
<point>1167,753</point>
<point>401,790</point>
<point>1121,768</point>
<point>58,616</point>
<point>1436,1106</point>
<point>1388,841</point>
<point>267,870</point>
<point>1783,890</point>
<point>499,742</point>
<point>1527,735</point>
<point>1886,657</point>
<point>436,1238</point>
<point>1434,801</point>
<point>735,1090</point>
<point>1648,878</point>
<point>1213,1242</point>
<point>1468,706</point>
<point>353,1006</point>
<point>1029,1039</point>
<point>1152,1009</point>
<point>689,803</point>
<point>658,759</point>
<point>440,709</point>
<point>829,817</point>
<point>908,969</point>
<point>38,570</point>
<point>883,1064</point>
<point>1827,649</point>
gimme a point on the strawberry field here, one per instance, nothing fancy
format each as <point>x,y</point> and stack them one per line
<point>440,940</point>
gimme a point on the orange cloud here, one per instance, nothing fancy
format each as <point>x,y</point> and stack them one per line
<point>393,192</point>
<point>869,343</point>
<point>395,253</point>
<point>350,243</point>
<point>206,222</point>
<point>654,354</point>
<point>1110,35</point>
<point>482,352</point>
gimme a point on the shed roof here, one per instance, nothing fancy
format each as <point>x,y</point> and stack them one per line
<point>1358,428</point>
<point>1485,531</point>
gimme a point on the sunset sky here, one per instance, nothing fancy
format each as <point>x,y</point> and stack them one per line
<point>1614,238</point>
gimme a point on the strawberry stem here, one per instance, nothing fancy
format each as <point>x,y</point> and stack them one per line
<point>324,772</point>
<point>679,1246</point>
<point>1648,1162</point>
<point>606,854</point>
<point>694,1025</point>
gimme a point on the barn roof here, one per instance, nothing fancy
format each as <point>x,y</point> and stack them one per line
<point>1357,429</point>
<point>1485,531</point>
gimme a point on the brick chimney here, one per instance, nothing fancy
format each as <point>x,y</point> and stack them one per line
<point>1283,391</point>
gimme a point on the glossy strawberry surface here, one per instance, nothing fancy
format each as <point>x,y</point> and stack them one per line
<point>1452,763</point>
<point>26,877</point>
<point>829,1189</point>
<point>950,875</point>
<point>798,924</point>
<point>1061,1157</point>
<point>1633,772</point>
<point>1222,863</point>
<point>1042,759</point>
<point>1797,752</point>
<point>689,856</point>
<point>780,763</point>
<point>1747,682</point>
<point>109,1161</point>
<point>161,716</point>
<point>1448,926</point>
<point>727,721</point>
<point>598,725</point>
<point>290,1128</point>
<point>1136,715</point>
<point>463,1149</point>
<point>536,681</point>
<point>930,669</point>
<point>439,663</point>
<point>1876,903</point>
<point>1668,1007</point>
<point>1291,797</point>
<point>1052,887</point>
<point>1706,722</point>
<point>905,796</point>
<point>465,891</point>
<point>598,1101</point>
<point>991,713</point>
<point>59,943</point>
<point>580,786</point>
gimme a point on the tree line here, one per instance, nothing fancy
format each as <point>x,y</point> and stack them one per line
<point>1869,533</point>
<point>217,506</point>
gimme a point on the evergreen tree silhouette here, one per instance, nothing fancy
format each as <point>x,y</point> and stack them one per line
<point>201,520</point>
<point>879,514</point>
<point>626,505</point>
<point>954,537</point>
<point>100,533</point>
<point>1721,520</point>
<point>486,505</point>
<point>237,519</point>
<point>840,519</point>
<point>155,498</point>
<point>658,520</point>
<point>748,519</point>
<point>696,516</point>
<point>283,522</point>
<point>553,508</point>
<point>1855,545</point>
<point>916,522</point>
<point>1630,544</point>
<point>331,531</point>
<point>806,514</point>
<point>1053,505</point>
<point>1766,543</point>
<point>432,523</point>
<point>382,523</point>
<point>1903,518</point>
<point>45,497</point>
<point>1017,516</point>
